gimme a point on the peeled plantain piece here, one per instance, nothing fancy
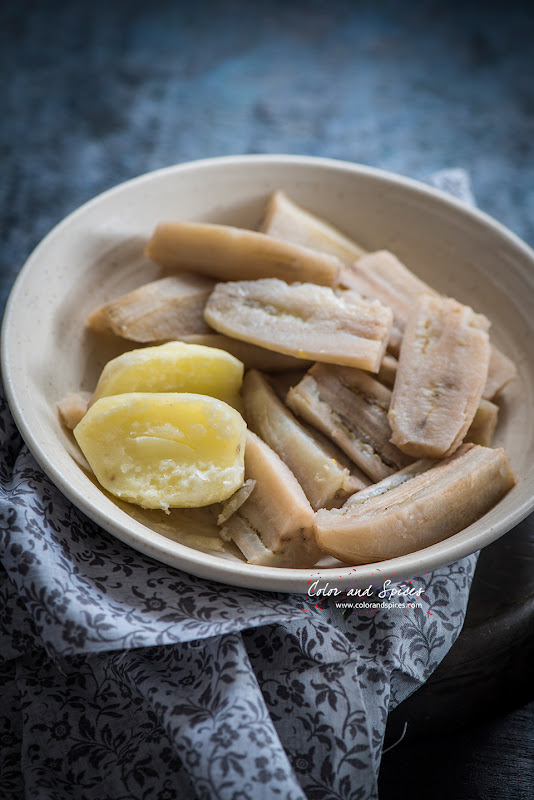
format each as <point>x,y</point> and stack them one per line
<point>351,408</point>
<point>164,450</point>
<point>501,370</point>
<point>388,370</point>
<point>234,502</point>
<point>282,382</point>
<point>233,254</point>
<point>484,423</point>
<point>287,221</point>
<point>173,367</point>
<point>320,470</point>
<point>303,320</point>
<point>73,407</point>
<point>442,371</point>
<point>164,309</point>
<point>252,356</point>
<point>415,508</point>
<point>383,276</point>
<point>274,526</point>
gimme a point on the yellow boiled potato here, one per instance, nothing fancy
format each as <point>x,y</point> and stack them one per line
<point>164,450</point>
<point>173,367</point>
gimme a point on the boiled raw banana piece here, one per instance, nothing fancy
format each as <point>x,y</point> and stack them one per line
<point>442,371</point>
<point>501,370</point>
<point>321,471</point>
<point>252,356</point>
<point>388,370</point>
<point>287,221</point>
<point>383,276</point>
<point>274,526</point>
<point>303,320</point>
<point>73,407</point>
<point>484,423</point>
<point>417,507</point>
<point>160,310</point>
<point>282,382</point>
<point>234,502</point>
<point>233,254</point>
<point>351,408</point>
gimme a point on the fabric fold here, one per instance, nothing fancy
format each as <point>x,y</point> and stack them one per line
<point>252,691</point>
<point>123,677</point>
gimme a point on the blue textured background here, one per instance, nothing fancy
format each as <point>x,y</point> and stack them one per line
<point>95,93</point>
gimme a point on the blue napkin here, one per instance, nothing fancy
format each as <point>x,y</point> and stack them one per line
<point>122,678</point>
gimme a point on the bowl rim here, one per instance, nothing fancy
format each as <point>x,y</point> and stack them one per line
<point>200,563</point>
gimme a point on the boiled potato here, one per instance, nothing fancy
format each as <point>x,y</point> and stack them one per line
<point>164,450</point>
<point>173,367</point>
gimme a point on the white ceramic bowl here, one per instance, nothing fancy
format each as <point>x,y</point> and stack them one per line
<point>96,254</point>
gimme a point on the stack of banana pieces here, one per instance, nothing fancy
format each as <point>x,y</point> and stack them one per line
<point>368,396</point>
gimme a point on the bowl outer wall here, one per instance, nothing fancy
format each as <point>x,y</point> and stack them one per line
<point>84,261</point>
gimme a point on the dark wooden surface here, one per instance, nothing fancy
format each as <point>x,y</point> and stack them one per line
<point>489,670</point>
<point>96,93</point>
<point>470,728</point>
<point>489,761</point>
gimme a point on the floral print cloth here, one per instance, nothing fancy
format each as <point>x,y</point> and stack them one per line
<point>125,679</point>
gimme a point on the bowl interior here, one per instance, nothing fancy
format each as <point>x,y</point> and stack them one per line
<point>98,253</point>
